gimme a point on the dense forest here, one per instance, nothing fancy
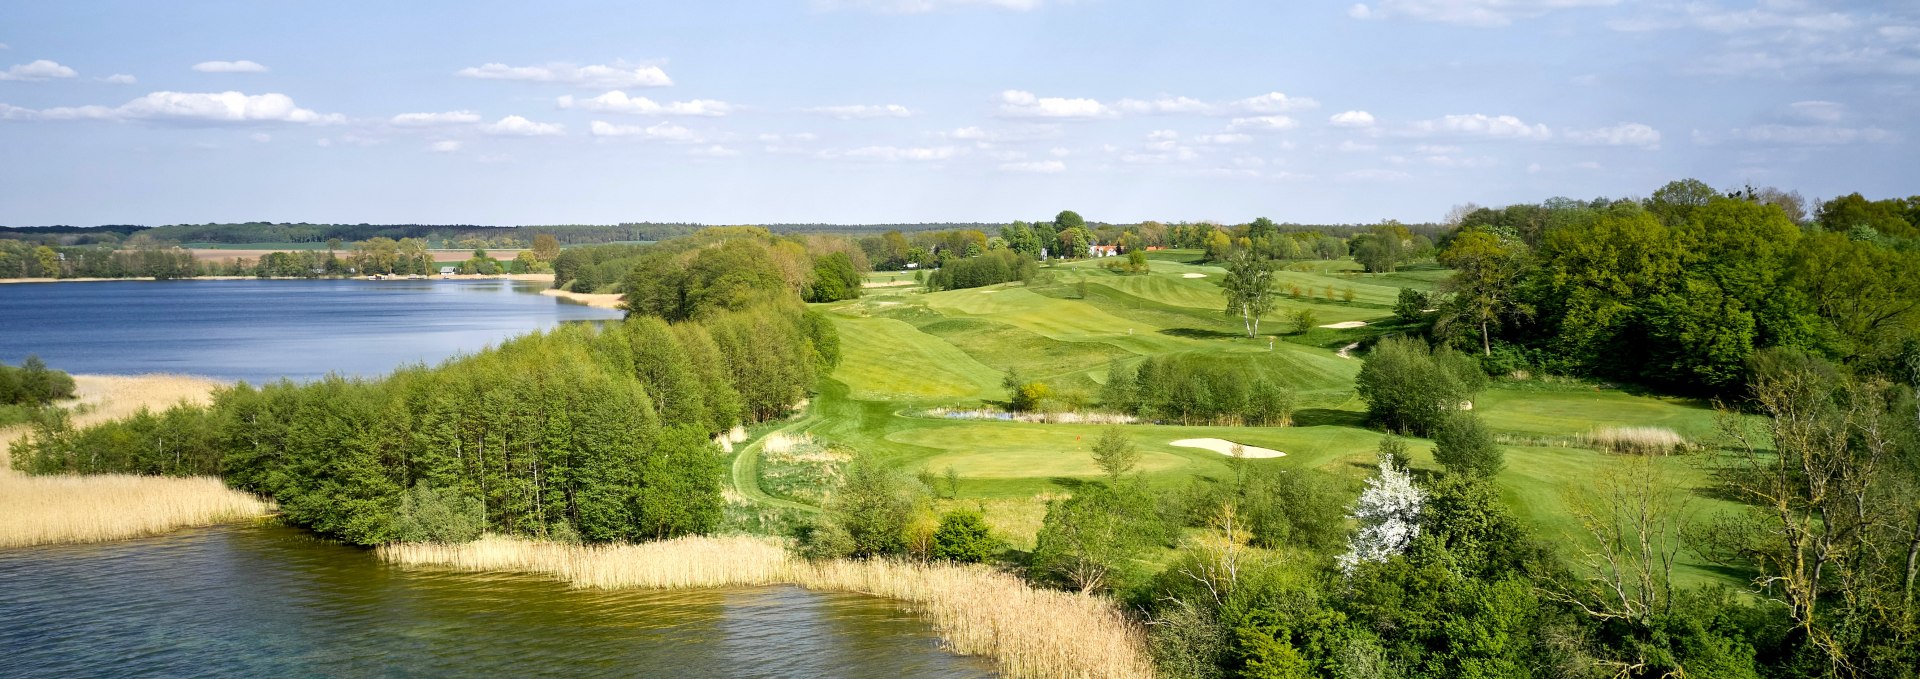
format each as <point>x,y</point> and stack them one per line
<point>582,433</point>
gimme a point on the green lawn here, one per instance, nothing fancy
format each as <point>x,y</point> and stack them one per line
<point>906,351</point>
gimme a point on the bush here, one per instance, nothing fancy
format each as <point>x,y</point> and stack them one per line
<point>1465,446</point>
<point>1410,388</point>
<point>446,516</point>
<point>963,536</point>
<point>33,384</point>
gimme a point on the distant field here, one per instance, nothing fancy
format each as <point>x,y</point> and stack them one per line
<point>906,351</point>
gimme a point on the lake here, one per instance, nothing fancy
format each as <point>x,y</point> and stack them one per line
<point>261,330</point>
<point>277,602</point>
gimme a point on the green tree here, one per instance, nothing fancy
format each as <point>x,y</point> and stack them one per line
<point>1408,390</point>
<point>873,507</point>
<point>1487,274</point>
<point>1411,306</point>
<point>546,248</point>
<point>1115,452</point>
<point>1088,542</point>
<point>1465,446</point>
<point>1249,289</point>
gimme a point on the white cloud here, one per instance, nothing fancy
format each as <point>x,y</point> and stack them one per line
<point>1229,138</point>
<point>617,101</point>
<point>1351,146</point>
<point>1789,38</point>
<point>241,66</point>
<point>39,69</point>
<point>1373,175</point>
<point>854,111</point>
<point>1059,152</point>
<point>923,6</point>
<point>1355,119</point>
<point>1623,134</point>
<point>1436,149</point>
<point>435,119</point>
<point>1817,111</point>
<point>667,132</point>
<point>445,146</point>
<point>222,107</point>
<point>516,126</point>
<point>3,46</point>
<point>714,151</point>
<point>1020,103</point>
<point>610,76</point>
<point>1800,135</point>
<point>1482,125</point>
<point>119,79</point>
<point>1263,123</point>
<point>1035,166</point>
<point>260,137</point>
<point>1486,13</point>
<point>794,137</point>
<point>1165,105</point>
<point>896,153</point>
<point>1275,102</point>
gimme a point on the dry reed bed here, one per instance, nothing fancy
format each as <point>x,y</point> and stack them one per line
<point>978,611</point>
<point>1637,440</point>
<point>40,510</point>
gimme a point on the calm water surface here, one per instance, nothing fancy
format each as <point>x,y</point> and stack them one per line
<point>276,602</point>
<point>263,330</point>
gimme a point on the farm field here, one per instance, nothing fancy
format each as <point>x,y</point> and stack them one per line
<point>908,353</point>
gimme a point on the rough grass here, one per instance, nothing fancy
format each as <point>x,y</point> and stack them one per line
<point>1028,632</point>
<point>38,510</point>
<point>1637,440</point>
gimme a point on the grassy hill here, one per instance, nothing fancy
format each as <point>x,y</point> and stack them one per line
<point>907,352</point>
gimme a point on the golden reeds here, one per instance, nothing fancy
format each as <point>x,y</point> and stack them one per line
<point>978,611</point>
<point>1637,440</point>
<point>39,510</point>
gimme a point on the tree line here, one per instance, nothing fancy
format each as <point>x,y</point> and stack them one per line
<point>1679,290</point>
<point>584,432</point>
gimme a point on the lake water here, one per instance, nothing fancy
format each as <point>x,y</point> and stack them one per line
<point>276,602</point>
<point>262,330</point>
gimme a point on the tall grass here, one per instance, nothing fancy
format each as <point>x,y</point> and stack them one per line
<point>1028,632</point>
<point>1637,440</point>
<point>40,510</point>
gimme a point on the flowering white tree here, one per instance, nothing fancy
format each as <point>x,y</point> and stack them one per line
<point>1388,513</point>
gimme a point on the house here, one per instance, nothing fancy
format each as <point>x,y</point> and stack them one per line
<point>446,271</point>
<point>1102,250</point>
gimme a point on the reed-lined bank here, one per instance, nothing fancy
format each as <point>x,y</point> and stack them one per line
<point>41,510</point>
<point>1028,632</point>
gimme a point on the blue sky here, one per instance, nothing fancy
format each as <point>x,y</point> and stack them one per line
<point>934,110</point>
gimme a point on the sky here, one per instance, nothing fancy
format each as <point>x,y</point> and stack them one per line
<point>886,111</point>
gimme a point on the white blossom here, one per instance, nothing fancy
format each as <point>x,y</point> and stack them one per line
<point>1388,513</point>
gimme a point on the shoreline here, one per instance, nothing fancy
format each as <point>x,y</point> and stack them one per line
<point>605,301</point>
<point>89,508</point>
<point>975,609</point>
<point>529,277</point>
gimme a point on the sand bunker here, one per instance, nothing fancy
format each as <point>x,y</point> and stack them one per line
<point>1345,324</point>
<point>1193,275</point>
<point>1225,447</point>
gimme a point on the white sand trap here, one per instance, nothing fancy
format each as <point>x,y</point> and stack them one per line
<point>1343,325</point>
<point>1225,447</point>
<point>1193,275</point>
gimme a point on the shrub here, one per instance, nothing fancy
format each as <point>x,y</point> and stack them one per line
<point>1409,388</point>
<point>1465,446</point>
<point>446,516</point>
<point>963,536</point>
